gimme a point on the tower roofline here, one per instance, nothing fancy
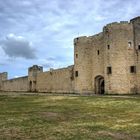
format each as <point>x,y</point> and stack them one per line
<point>136,18</point>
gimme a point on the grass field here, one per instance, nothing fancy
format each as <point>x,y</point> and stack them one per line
<point>35,117</point>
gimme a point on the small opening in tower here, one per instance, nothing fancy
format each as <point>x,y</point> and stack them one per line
<point>76,73</point>
<point>76,55</point>
<point>109,70</point>
<point>139,47</point>
<point>98,52</point>
<point>129,44</point>
<point>108,46</point>
<point>132,69</point>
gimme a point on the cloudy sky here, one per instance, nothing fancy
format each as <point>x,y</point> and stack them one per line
<point>42,31</point>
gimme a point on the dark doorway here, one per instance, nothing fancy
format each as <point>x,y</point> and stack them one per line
<point>34,85</point>
<point>99,85</point>
<point>30,86</point>
<point>102,87</point>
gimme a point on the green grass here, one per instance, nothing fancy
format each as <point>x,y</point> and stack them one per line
<point>35,117</point>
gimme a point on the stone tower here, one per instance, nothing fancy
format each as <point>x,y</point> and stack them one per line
<point>136,41</point>
<point>82,64</point>
<point>109,62</point>
<point>32,76</point>
<point>3,77</point>
<point>119,57</point>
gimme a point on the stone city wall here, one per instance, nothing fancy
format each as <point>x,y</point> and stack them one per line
<point>59,81</point>
<point>17,84</point>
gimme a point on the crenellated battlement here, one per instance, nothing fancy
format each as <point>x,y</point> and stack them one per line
<point>60,70</point>
<point>118,23</point>
<point>97,36</point>
<point>35,67</point>
<point>87,39</point>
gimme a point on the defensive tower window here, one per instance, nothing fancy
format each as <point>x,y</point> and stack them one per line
<point>129,44</point>
<point>132,69</point>
<point>76,55</point>
<point>76,73</point>
<point>108,46</point>
<point>139,47</point>
<point>109,70</point>
<point>98,52</point>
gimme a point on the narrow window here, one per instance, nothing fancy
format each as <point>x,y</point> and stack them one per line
<point>98,52</point>
<point>109,70</point>
<point>76,55</point>
<point>108,46</point>
<point>129,44</point>
<point>132,69</point>
<point>139,47</point>
<point>76,73</point>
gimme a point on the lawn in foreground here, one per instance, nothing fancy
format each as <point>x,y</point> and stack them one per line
<point>69,118</point>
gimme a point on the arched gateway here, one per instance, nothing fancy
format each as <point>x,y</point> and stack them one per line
<point>99,85</point>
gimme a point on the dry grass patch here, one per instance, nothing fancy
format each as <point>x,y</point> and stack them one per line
<point>69,118</point>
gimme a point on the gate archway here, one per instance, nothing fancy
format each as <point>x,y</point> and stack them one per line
<point>99,85</point>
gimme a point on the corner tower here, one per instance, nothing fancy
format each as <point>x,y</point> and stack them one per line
<point>119,56</point>
<point>83,64</point>
<point>136,37</point>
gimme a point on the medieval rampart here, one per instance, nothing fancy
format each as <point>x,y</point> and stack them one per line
<point>60,80</point>
<point>17,84</point>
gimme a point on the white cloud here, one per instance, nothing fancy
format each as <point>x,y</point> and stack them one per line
<point>17,46</point>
